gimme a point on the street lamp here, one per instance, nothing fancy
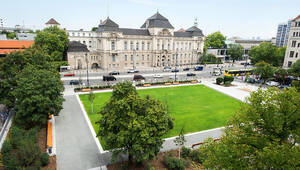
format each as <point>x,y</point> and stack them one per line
<point>87,69</point>
<point>176,66</point>
<point>134,57</point>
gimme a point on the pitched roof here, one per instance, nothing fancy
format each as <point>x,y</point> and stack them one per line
<point>109,22</point>
<point>7,47</point>
<point>129,31</point>
<point>157,21</point>
<point>183,34</point>
<point>53,22</point>
<point>195,31</point>
<point>298,17</point>
<point>108,25</point>
<point>75,46</point>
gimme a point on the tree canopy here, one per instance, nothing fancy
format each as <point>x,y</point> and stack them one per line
<point>215,40</point>
<point>295,69</point>
<point>262,135</point>
<point>235,51</point>
<point>133,124</point>
<point>38,94</point>
<point>264,70</point>
<point>268,53</point>
<point>54,42</point>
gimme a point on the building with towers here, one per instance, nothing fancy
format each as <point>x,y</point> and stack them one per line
<point>154,44</point>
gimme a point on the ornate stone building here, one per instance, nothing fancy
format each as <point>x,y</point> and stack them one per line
<point>155,44</point>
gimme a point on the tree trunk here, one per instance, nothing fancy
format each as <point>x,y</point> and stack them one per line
<point>92,107</point>
<point>130,160</point>
<point>179,153</point>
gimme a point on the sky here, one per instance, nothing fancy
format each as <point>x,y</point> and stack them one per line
<point>242,18</point>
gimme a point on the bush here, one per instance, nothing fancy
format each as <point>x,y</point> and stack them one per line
<point>197,156</point>
<point>228,78</point>
<point>173,163</point>
<point>150,167</point>
<point>10,161</point>
<point>227,83</point>
<point>16,135</point>
<point>296,84</point>
<point>219,80</point>
<point>44,159</point>
<point>28,152</point>
<point>6,147</point>
<point>185,152</point>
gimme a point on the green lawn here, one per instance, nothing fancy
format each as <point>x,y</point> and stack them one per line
<point>195,108</point>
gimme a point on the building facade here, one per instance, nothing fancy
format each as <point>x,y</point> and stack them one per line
<point>293,46</point>
<point>155,44</point>
<point>282,35</point>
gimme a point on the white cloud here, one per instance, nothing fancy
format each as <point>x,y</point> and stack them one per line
<point>148,2</point>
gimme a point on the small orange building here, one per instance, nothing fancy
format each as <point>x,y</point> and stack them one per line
<point>8,46</point>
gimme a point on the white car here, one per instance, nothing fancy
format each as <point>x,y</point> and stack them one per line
<point>157,76</point>
<point>167,69</point>
<point>272,83</point>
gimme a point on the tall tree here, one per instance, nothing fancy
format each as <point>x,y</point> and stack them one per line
<point>281,75</point>
<point>180,140</point>
<point>38,94</point>
<point>54,42</point>
<point>235,51</point>
<point>262,135</point>
<point>295,69</point>
<point>133,124</point>
<point>264,70</point>
<point>268,53</point>
<point>91,99</point>
<point>215,40</point>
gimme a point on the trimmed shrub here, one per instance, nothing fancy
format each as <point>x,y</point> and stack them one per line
<point>296,84</point>
<point>16,136</point>
<point>10,161</point>
<point>227,83</point>
<point>197,156</point>
<point>173,163</point>
<point>28,152</point>
<point>219,80</point>
<point>6,147</point>
<point>185,152</point>
<point>150,167</point>
<point>228,78</point>
<point>44,159</point>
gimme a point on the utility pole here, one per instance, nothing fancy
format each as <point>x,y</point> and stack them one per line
<point>1,22</point>
<point>87,70</point>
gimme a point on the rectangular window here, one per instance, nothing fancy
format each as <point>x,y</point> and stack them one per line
<point>296,55</point>
<point>293,43</point>
<point>131,58</point>
<point>163,46</point>
<point>158,46</point>
<point>190,46</point>
<point>131,45</point>
<point>125,45</point>
<point>113,58</point>
<point>168,46</point>
<point>148,46</point>
<point>143,45</point>
<point>125,57</point>
<point>137,58</point>
<point>148,57</point>
<point>112,45</point>
<point>143,58</point>
<point>291,54</point>
<point>290,64</point>
<point>137,46</point>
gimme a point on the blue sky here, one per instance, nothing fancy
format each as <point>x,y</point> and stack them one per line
<point>243,18</point>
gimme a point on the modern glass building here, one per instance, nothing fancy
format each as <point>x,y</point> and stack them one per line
<point>283,34</point>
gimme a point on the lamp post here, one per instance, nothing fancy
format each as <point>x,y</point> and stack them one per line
<point>134,57</point>
<point>87,70</point>
<point>176,66</point>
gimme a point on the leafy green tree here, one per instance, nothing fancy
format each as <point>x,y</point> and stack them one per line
<point>262,135</point>
<point>54,42</point>
<point>295,69</point>
<point>215,40</point>
<point>268,53</point>
<point>132,124</point>
<point>180,140</point>
<point>235,51</point>
<point>264,70</point>
<point>38,94</point>
<point>91,99</point>
<point>281,75</point>
<point>94,28</point>
<point>209,59</point>
<point>11,35</point>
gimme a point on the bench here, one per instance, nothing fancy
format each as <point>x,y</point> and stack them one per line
<point>147,85</point>
<point>195,81</point>
<point>84,90</point>
<point>167,83</point>
<point>175,83</point>
<point>201,143</point>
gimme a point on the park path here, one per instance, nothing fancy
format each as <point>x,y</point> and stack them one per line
<point>75,146</point>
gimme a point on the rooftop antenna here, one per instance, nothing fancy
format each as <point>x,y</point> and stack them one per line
<point>107,8</point>
<point>196,22</point>
<point>157,10</point>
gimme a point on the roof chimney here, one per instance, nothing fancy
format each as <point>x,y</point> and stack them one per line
<point>100,21</point>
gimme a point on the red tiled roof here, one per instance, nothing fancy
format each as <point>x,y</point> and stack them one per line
<point>52,21</point>
<point>298,17</point>
<point>7,47</point>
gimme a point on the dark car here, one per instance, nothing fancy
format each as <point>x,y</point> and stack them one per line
<point>186,69</point>
<point>109,78</point>
<point>190,74</point>
<point>251,80</point>
<point>138,77</point>
<point>198,68</point>
<point>74,82</point>
<point>114,73</point>
<point>175,70</point>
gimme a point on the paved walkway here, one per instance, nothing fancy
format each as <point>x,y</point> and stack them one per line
<point>76,148</point>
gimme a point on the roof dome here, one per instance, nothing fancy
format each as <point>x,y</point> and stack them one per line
<point>157,21</point>
<point>108,25</point>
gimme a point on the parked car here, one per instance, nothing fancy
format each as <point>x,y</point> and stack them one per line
<point>138,77</point>
<point>132,71</point>
<point>272,83</point>
<point>198,68</point>
<point>74,82</point>
<point>175,70</point>
<point>251,80</point>
<point>190,74</point>
<point>109,78</point>
<point>69,75</point>
<point>186,69</point>
<point>157,76</point>
<point>114,73</point>
<point>283,86</point>
<point>167,69</point>
<point>247,64</point>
